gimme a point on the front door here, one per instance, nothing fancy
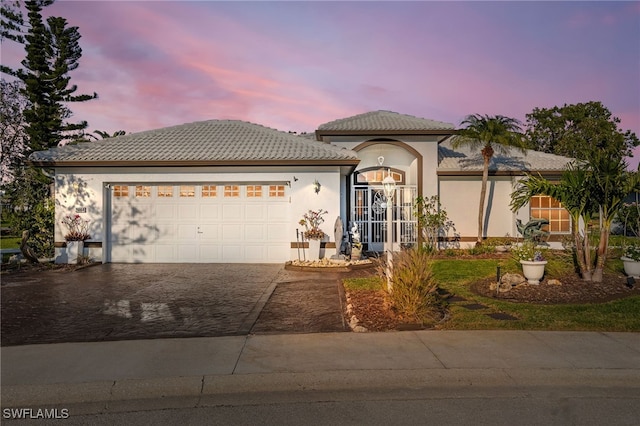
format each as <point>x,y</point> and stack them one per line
<point>369,211</point>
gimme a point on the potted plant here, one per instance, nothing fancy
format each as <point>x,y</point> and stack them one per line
<point>78,233</point>
<point>532,261</point>
<point>631,260</point>
<point>311,222</point>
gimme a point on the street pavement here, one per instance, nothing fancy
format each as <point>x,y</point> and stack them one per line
<point>134,375</point>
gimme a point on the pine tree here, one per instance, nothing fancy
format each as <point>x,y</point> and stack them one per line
<point>52,51</point>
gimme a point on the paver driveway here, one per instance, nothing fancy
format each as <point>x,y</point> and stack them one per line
<point>138,301</point>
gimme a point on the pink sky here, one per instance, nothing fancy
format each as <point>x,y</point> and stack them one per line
<point>296,65</point>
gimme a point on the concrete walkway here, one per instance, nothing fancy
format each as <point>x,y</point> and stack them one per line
<point>124,375</point>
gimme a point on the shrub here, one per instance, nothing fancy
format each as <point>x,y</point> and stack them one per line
<point>414,292</point>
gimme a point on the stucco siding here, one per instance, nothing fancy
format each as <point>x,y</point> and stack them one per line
<point>460,198</point>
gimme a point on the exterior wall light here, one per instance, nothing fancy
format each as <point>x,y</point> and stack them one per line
<point>316,186</point>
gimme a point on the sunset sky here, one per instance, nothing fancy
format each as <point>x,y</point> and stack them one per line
<point>296,65</point>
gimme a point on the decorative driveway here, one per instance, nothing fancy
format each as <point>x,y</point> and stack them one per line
<point>145,301</point>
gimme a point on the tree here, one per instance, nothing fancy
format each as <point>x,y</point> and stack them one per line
<point>579,131</point>
<point>490,134</point>
<point>13,137</point>
<point>586,190</point>
<point>52,51</point>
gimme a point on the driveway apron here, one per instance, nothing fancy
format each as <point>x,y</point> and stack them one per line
<point>134,301</point>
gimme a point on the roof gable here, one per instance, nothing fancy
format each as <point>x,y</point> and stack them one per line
<point>204,142</point>
<point>385,122</point>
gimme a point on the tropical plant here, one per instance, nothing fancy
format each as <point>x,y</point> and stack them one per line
<point>78,228</point>
<point>489,134</point>
<point>414,291</point>
<point>586,190</point>
<point>433,221</point>
<point>312,221</point>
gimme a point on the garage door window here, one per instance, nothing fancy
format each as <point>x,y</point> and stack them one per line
<point>143,191</point>
<point>231,191</point>
<point>187,191</point>
<point>120,191</point>
<point>209,191</point>
<point>165,191</point>
<point>254,191</point>
<point>276,191</point>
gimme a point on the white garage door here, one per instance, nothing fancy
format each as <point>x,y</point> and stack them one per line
<point>199,223</point>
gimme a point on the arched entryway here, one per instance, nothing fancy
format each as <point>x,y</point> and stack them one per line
<point>368,205</point>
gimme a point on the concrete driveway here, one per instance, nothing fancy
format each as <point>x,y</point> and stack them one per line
<point>142,301</point>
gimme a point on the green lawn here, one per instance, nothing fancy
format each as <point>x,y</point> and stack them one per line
<point>455,276</point>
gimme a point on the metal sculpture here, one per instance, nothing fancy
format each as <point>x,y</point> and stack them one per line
<point>532,230</point>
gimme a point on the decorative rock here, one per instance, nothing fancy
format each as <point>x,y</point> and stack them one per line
<point>512,279</point>
<point>554,282</point>
<point>504,287</point>
<point>493,286</point>
<point>359,329</point>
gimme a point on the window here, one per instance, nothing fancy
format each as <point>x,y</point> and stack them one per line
<point>231,191</point>
<point>545,207</point>
<point>143,191</point>
<point>254,191</point>
<point>276,191</point>
<point>187,191</point>
<point>120,191</point>
<point>165,191</point>
<point>209,191</point>
<point>377,175</point>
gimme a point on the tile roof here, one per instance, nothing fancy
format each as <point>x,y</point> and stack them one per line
<point>463,159</point>
<point>213,141</point>
<point>384,121</point>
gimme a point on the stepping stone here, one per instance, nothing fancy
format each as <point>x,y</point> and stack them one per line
<point>474,306</point>
<point>501,316</point>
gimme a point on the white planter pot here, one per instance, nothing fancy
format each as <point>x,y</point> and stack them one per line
<point>631,267</point>
<point>314,250</point>
<point>533,271</point>
<point>74,250</point>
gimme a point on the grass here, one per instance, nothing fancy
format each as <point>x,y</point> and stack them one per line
<point>456,275</point>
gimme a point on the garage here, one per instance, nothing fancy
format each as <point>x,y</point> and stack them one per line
<point>244,222</point>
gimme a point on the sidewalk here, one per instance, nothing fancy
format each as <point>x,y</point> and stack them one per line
<point>191,371</point>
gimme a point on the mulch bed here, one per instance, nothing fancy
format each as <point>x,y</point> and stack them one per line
<point>374,313</point>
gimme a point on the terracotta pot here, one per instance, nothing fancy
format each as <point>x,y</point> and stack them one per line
<point>533,271</point>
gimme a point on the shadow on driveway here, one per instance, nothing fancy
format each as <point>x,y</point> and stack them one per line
<point>147,301</point>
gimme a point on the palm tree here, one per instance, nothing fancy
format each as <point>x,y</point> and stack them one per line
<point>573,193</point>
<point>490,134</point>
<point>585,190</point>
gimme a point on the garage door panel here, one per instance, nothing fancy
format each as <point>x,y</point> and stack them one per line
<point>278,212</point>
<point>198,229</point>
<point>210,233</point>
<point>276,232</point>
<point>189,211</point>
<point>254,232</point>
<point>210,212</point>
<point>187,232</point>
<point>255,212</point>
<point>232,232</point>
<point>165,253</point>
<point>232,212</point>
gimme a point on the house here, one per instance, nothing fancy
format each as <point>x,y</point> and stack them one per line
<point>233,191</point>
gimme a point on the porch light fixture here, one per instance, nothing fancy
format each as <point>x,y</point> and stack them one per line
<point>316,186</point>
<point>389,186</point>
